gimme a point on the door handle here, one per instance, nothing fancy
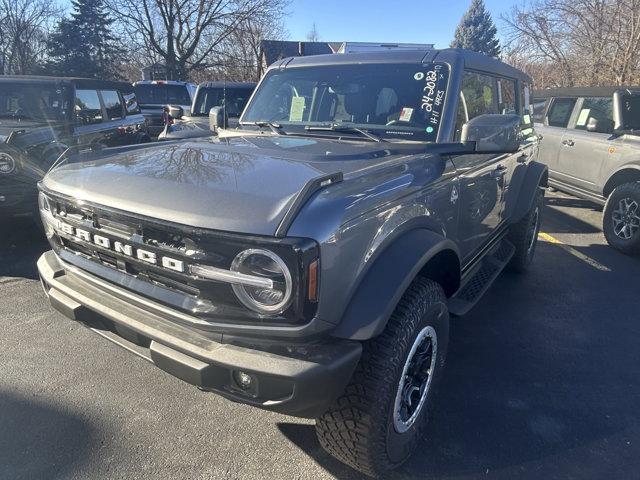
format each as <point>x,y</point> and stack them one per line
<point>568,143</point>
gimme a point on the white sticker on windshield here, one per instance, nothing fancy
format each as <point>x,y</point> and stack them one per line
<point>405,114</point>
<point>582,118</point>
<point>297,109</point>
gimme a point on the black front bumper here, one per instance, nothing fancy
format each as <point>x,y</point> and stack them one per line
<point>299,380</point>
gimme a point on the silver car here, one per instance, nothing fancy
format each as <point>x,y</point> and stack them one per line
<point>592,148</point>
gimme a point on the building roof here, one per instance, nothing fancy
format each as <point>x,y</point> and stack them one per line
<point>573,92</point>
<point>453,56</point>
<point>274,50</point>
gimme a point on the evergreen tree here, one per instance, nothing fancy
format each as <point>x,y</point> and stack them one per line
<point>477,31</point>
<point>83,44</point>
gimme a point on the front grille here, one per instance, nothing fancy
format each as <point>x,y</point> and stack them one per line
<point>91,232</point>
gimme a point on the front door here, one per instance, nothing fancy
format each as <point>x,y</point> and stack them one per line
<point>482,180</point>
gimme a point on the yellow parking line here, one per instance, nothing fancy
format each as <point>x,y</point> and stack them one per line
<point>588,260</point>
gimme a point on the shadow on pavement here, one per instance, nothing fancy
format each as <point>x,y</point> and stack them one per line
<point>571,202</point>
<point>304,437</point>
<point>558,221</point>
<point>21,243</point>
<point>39,441</point>
<point>541,381</point>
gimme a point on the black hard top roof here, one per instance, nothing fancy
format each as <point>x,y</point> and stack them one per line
<point>77,81</point>
<point>471,60</point>
<point>574,92</point>
<point>223,84</point>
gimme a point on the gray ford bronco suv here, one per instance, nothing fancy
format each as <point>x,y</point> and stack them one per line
<point>308,262</point>
<point>592,148</point>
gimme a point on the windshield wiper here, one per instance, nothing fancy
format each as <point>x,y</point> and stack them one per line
<point>275,127</point>
<point>334,127</point>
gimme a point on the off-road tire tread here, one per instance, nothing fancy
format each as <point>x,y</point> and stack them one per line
<point>518,232</point>
<point>633,248</point>
<point>354,428</point>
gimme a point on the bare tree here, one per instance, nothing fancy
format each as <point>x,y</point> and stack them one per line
<point>313,35</point>
<point>576,42</point>
<point>242,54</point>
<point>188,35</point>
<point>24,26</point>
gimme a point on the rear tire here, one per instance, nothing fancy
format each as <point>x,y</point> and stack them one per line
<point>377,422</point>
<point>621,218</point>
<point>524,235</point>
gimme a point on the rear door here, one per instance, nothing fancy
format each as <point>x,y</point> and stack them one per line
<point>528,150</point>
<point>554,127</point>
<point>585,145</point>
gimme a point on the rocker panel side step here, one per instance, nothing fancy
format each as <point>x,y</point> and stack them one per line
<point>477,283</point>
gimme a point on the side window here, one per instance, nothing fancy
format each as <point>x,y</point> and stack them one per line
<point>596,115</point>
<point>507,97</point>
<point>87,107</point>
<point>560,112</point>
<point>480,93</point>
<point>538,109</point>
<point>112,104</point>
<point>483,94</point>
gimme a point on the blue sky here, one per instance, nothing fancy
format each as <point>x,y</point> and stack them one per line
<point>411,21</point>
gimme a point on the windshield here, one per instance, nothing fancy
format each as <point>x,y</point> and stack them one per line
<point>31,102</point>
<point>162,94</point>
<point>234,99</point>
<point>393,101</point>
<point>631,112</point>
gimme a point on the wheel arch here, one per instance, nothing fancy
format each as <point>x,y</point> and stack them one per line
<point>626,174</point>
<point>416,252</point>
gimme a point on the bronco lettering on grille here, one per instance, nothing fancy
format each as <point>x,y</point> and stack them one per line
<point>121,248</point>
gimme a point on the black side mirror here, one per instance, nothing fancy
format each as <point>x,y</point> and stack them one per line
<point>176,112</point>
<point>493,133</point>
<point>218,118</point>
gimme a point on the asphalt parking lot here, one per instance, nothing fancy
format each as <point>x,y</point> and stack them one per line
<point>543,381</point>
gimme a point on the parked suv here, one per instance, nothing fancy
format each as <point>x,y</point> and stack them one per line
<point>592,147</point>
<point>155,95</point>
<point>229,96</point>
<point>40,117</point>
<point>308,263</point>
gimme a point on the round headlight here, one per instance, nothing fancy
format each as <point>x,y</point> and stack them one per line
<point>7,163</point>
<point>263,263</point>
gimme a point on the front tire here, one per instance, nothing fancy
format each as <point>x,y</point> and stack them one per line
<point>377,422</point>
<point>621,218</point>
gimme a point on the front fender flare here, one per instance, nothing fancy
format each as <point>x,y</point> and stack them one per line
<point>388,278</point>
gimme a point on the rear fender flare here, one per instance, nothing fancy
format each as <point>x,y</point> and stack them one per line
<point>387,279</point>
